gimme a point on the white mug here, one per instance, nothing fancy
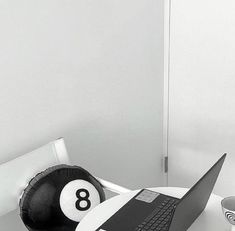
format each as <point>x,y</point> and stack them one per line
<point>228,208</point>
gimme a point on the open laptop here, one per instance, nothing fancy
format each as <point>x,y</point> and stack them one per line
<point>152,211</point>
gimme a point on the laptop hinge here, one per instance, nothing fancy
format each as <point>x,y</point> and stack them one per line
<point>166,164</point>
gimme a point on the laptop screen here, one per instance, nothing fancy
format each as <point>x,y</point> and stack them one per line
<point>195,200</point>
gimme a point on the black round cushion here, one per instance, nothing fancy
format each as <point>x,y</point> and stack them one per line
<point>40,207</point>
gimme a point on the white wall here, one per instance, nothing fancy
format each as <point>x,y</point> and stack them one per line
<point>201,91</point>
<point>90,71</point>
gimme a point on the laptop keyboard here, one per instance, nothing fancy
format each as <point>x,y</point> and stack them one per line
<point>159,219</point>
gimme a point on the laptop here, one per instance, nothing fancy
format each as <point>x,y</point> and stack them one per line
<point>152,211</point>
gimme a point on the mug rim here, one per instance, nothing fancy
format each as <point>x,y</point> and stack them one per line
<point>226,198</point>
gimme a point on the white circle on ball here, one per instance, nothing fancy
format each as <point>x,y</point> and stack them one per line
<point>83,194</point>
<point>76,195</point>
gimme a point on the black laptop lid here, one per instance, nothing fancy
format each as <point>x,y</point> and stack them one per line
<point>194,202</point>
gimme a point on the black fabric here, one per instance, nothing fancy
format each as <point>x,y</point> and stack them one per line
<point>40,207</point>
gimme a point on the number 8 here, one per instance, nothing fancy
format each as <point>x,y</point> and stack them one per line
<point>83,198</point>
